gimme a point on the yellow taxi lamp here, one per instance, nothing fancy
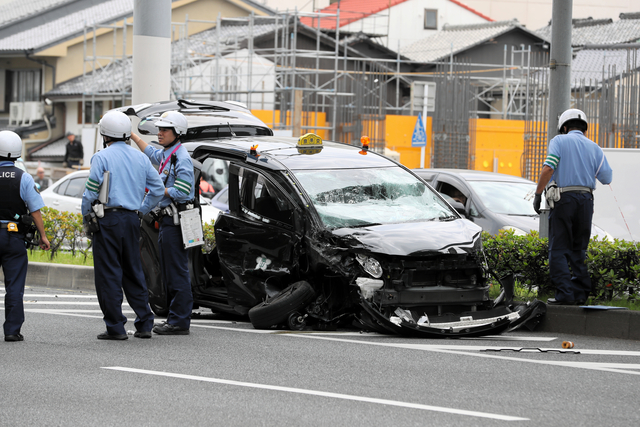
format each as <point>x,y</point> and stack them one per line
<point>253,151</point>
<point>309,143</point>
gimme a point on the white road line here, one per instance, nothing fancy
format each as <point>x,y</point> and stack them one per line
<point>325,394</point>
<point>54,296</point>
<point>59,303</point>
<point>465,351</point>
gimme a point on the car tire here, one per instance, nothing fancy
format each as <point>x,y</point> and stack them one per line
<point>276,310</point>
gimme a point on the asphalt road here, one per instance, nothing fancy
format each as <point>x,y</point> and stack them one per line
<point>227,373</point>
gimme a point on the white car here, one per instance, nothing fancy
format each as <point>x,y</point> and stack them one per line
<point>66,195</point>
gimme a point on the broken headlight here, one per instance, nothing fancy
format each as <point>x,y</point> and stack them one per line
<point>370,265</point>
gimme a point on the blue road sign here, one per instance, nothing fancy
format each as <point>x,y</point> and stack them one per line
<point>419,138</point>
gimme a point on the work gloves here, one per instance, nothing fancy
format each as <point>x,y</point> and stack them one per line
<point>536,203</point>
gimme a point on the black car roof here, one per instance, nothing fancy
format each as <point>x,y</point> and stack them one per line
<point>276,152</point>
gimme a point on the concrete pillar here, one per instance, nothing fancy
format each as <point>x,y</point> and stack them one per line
<point>559,64</point>
<point>151,51</point>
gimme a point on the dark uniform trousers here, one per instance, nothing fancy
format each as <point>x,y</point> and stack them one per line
<point>14,261</point>
<point>118,267</point>
<point>569,234</point>
<point>175,273</point>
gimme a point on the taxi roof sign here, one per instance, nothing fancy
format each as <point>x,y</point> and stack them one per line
<point>309,139</point>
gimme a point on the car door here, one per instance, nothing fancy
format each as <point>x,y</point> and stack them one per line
<point>256,240</point>
<point>68,195</point>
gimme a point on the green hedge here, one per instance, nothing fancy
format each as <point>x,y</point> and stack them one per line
<point>65,232</point>
<point>614,266</point>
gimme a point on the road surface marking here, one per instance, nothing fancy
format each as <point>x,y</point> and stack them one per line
<point>324,394</point>
<point>468,351</point>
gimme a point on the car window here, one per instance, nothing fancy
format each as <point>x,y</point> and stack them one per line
<point>75,187</point>
<point>509,198</point>
<point>360,197</point>
<point>259,196</point>
<point>62,187</point>
<point>224,196</point>
<point>452,191</point>
<point>216,173</point>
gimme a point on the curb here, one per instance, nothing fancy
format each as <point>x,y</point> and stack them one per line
<point>622,324</point>
<point>60,276</point>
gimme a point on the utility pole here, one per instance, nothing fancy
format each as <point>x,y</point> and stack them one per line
<point>559,64</point>
<point>151,51</point>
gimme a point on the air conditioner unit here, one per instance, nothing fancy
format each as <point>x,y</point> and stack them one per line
<point>15,113</point>
<point>32,112</point>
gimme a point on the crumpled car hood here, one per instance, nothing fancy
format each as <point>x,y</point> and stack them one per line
<point>457,236</point>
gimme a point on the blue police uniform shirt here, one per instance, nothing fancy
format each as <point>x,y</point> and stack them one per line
<point>179,177</point>
<point>28,191</point>
<point>130,172</point>
<point>575,160</point>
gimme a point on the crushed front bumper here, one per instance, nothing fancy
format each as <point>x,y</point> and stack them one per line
<point>494,322</point>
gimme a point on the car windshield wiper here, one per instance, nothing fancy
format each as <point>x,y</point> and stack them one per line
<point>448,218</point>
<point>366,224</point>
<point>529,215</point>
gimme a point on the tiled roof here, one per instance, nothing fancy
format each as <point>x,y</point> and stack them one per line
<point>457,38</point>
<point>52,150</point>
<point>15,10</point>
<point>589,31</point>
<point>354,10</point>
<point>350,11</point>
<point>70,25</point>
<point>589,63</point>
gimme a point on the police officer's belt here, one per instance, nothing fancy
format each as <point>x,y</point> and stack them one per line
<point>575,189</point>
<point>6,224</point>
<point>107,209</point>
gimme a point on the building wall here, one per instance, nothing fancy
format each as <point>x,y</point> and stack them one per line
<point>536,14</point>
<point>405,22</point>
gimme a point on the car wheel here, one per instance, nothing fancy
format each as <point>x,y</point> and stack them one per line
<point>276,310</point>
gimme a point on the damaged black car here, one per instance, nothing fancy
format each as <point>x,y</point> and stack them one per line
<point>321,234</point>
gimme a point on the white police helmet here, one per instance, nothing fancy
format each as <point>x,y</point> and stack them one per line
<point>175,120</point>
<point>115,124</point>
<point>572,114</point>
<point>10,144</point>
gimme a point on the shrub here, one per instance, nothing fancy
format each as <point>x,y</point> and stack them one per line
<point>64,231</point>
<point>614,266</point>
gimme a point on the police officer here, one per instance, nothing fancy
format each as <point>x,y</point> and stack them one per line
<point>116,251</point>
<point>573,162</point>
<point>20,198</point>
<point>176,169</point>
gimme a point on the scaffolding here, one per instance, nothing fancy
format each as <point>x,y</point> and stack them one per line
<point>300,78</point>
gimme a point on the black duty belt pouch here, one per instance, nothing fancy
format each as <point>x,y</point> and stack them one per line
<point>92,222</point>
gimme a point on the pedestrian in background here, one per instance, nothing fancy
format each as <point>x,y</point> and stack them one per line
<point>176,169</point>
<point>74,153</point>
<point>116,251</point>
<point>573,163</point>
<point>20,199</point>
<point>43,183</point>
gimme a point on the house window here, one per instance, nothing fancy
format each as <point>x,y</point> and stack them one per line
<point>90,115</point>
<point>22,86</point>
<point>430,19</point>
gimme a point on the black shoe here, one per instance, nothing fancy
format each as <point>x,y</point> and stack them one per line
<point>168,329</point>
<point>142,334</point>
<point>107,336</point>
<point>553,301</point>
<point>17,337</point>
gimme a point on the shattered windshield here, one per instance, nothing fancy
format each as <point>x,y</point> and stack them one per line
<point>361,197</point>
